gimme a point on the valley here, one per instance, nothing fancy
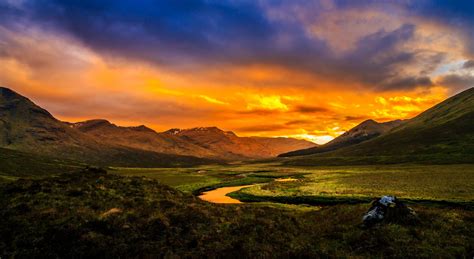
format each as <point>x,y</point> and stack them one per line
<point>237,129</point>
<point>94,213</point>
<point>425,184</point>
<point>92,188</point>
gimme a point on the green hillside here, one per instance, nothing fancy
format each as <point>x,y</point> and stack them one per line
<point>28,128</point>
<point>16,164</point>
<point>366,130</point>
<point>442,134</point>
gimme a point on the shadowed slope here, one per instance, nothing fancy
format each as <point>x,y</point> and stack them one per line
<point>141,137</point>
<point>368,129</point>
<point>231,146</point>
<point>442,134</point>
<point>27,127</point>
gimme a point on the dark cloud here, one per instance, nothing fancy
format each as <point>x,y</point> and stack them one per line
<point>407,83</point>
<point>468,64</point>
<point>299,122</point>
<point>309,109</point>
<point>376,56</point>
<point>199,34</point>
<point>457,82</point>
<point>457,14</point>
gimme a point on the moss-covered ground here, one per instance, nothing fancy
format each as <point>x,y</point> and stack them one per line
<point>98,214</point>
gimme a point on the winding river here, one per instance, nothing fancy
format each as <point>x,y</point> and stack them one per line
<point>219,195</point>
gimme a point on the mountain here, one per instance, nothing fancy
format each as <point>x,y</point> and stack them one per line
<point>141,137</point>
<point>206,142</point>
<point>442,134</point>
<point>231,146</point>
<point>26,127</point>
<point>366,130</point>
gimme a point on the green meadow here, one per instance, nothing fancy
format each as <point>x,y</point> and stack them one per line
<point>417,183</point>
<point>97,214</point>
<point>92,213</point>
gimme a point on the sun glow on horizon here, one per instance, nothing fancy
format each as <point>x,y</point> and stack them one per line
<point>320,140</point>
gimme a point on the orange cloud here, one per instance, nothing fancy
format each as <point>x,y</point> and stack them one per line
<point>262,99</point>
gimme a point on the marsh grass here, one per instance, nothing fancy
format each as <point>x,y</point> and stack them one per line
<point>449,184</point>
<point>441,184</point>
<point>71,216</point>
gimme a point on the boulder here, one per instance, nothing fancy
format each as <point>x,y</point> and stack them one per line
<point>389,209</point>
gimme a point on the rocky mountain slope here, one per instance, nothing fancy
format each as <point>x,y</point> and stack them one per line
<point>366,130</point>
<point>441,134</point>
<point>26,127</point>
<point>229,145</point>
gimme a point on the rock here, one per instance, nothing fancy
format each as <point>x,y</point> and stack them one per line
<point>389,209</point>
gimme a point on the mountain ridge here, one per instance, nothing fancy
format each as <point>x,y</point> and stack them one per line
<point>24,126</point>
<point>364,131</point>
<point>442,134</point>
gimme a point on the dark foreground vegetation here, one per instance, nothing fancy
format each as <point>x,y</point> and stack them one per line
<point>95,214</point>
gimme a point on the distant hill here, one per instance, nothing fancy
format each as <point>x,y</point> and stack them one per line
<point>230,146</point>
<point>26,127</point>
<point>141,137</point>
<point>206,142</point>
<point>366,130</point>
<point>442,134</point>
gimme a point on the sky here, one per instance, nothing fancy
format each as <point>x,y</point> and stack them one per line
<point>305,69</point>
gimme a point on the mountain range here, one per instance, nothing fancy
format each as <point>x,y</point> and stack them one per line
<point>441,134</point>
<point>26,127</point>
<point>366,130</point>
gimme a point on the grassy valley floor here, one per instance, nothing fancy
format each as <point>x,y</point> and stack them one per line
<point>95,214</point>
<point>442,184</point>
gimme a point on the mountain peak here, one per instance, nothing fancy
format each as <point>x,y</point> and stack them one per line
<point>92,123</point>
<point>212,129</point>
<point>368,122</point>
<point>7,91</point>
<point>142,128</point>
<point>366,130</point>
<point>102,123</point>
<point>9,94</point>
<point>173,131</point>
<point>20,106</point>
<point>207,130</point>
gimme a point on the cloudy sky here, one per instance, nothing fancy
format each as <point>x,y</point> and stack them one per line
<point>308,69</point>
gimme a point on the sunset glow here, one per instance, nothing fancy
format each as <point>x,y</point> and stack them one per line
<point>252,67</point>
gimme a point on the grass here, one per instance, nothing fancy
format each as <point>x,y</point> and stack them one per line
<point>15,165</point>
<point>93,214</point>
<point>184,179</point>
<point>449,184</point>
<point>201,178</point>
